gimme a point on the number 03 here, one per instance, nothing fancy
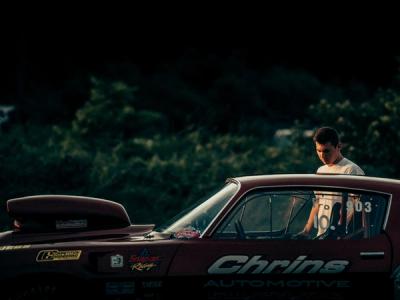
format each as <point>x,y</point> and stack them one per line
<point>358,206</point>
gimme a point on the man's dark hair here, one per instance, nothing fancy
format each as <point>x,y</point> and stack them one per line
<point>325,135</point>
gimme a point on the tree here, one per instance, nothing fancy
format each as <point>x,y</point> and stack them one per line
<point>369,130</point>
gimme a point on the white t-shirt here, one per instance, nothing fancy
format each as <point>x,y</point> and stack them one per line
<point>327,200</point>
<point>345,166</point>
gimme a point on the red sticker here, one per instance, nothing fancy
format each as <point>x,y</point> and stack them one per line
<point>187,234</point>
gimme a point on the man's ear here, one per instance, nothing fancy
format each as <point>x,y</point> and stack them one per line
<point>339,146</point>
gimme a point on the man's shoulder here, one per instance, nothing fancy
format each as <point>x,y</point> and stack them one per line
<point>351,167</point>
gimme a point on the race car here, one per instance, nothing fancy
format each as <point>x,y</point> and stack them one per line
<point>243,242</point>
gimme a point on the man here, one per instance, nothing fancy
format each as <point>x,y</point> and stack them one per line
<point>328,147</point>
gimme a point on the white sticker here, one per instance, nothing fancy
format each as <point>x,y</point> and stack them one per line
<point>116,261</point>
<point>70,224</point>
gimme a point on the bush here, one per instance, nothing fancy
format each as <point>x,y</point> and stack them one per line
<point>369,130</point>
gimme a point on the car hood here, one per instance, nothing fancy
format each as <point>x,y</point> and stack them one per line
<point>124,234</point>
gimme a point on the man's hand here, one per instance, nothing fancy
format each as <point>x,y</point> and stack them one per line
<point>302,235</point>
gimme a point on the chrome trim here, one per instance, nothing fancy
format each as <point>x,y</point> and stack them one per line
<point>385,221</point>
<point>372,254</point>
<point>230,180</point>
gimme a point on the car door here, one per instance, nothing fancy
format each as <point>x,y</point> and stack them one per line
<point>256,250</point>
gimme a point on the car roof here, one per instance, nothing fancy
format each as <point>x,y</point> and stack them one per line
<point>332,180</point>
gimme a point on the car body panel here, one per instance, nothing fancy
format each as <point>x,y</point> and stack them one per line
<point>124,258</point>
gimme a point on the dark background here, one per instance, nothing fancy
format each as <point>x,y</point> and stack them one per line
<point>45,57</point>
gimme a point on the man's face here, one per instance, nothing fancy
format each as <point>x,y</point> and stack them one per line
<point>327,153</point>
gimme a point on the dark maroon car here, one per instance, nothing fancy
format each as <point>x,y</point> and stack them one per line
<point>243,242</point>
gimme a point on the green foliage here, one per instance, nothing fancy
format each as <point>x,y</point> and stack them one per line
<point>110,113</point>
<point>369,130</point>
<point>119,147</point>
<point>154,177</point>
<point>31,164</point>
<point>164,174</point>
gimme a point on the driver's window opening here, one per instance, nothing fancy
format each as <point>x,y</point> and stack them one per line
<point>341,214</point>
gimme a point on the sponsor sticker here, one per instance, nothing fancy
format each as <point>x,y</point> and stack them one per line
<point>144,261</point>
<point>57,255</point>
<point>116,261</point>
<point>71,224</point>
<point>245,283</point>
<point>120,288</point>
<point>152,284</point>
<point>187,233</point>
<point>14,247</point>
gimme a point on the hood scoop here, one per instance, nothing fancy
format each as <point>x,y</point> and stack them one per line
<point>49,213</point>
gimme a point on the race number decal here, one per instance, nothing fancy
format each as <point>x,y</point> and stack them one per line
<point>359,206</point>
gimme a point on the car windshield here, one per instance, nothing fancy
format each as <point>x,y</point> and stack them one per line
<point>193,221</point>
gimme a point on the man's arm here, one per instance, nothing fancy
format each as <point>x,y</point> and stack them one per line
<point>310,222</point>
<point>304,234</point>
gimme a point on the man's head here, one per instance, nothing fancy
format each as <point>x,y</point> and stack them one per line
<point>327,145</point>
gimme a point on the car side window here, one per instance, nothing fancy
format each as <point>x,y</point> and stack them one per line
<point>367,215</point>
<point>280,214</point>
